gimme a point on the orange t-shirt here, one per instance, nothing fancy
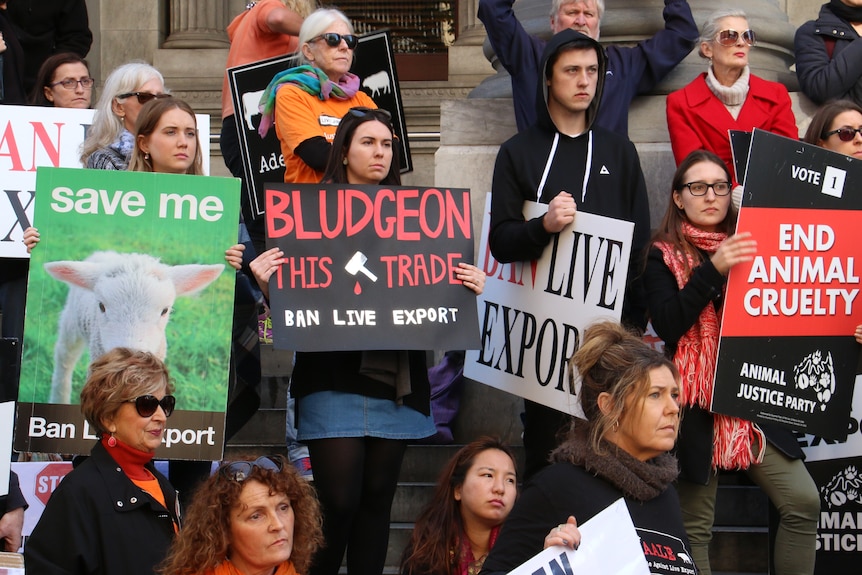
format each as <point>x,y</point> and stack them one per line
<point>300,116</point>
<point>252,40</point>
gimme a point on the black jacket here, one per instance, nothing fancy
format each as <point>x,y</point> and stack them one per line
<point>97,522</point>
<point>615,186</point>
<point>565,489</point>
<point>673,311</point>
<point>46,27</point>
<point>823,78</point>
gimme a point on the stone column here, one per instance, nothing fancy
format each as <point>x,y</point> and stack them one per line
<point>196,24</point>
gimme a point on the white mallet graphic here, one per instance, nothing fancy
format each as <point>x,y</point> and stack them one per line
<point>357,264</point>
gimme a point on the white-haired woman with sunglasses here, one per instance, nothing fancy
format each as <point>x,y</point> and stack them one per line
<point>113,513</point>
<point>727,96</point>
<point>308,101</point>
<point>110,139</point>
<point>249,517</point>
<point>690,256</point>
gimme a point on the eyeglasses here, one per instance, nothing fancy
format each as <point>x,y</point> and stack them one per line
<point>334,39</point>
<point>71,83</point>
<point>730,37</point>
<point>146,405</point>
<point>240,470</point>
<point>376,113</point>
<point>144,97</point>
<point>844,134</point>
<point>700,188</point>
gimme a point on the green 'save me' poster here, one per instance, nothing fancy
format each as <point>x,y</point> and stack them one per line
<point>128,259</point>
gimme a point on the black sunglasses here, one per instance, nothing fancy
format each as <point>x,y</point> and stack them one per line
<point>143,97</point>
<point>845,134</point>
<point>240,470</point>
<point>146,405</point>
<point>730,37</point>
<point>333,39</point>
<point>376,113</point>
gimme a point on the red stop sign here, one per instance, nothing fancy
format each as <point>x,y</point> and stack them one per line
<point>48,479</point>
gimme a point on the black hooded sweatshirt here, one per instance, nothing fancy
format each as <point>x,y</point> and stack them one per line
<point>600,168</point>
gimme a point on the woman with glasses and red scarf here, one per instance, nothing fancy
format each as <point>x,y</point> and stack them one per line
<point>110,139</point>
<point>691,254</point>
<point>727,96</point>
<point>113,513</point>
<point>249,517</point>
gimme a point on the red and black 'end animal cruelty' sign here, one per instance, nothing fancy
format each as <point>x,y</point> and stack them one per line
<point>787,354</point>
<point>370,267</point>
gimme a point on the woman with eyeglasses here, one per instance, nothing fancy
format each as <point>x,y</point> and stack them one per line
<point>63,81</point>
<point>308,101</point>
<point>111,138</point>
<point>113,513</point>
<point>357,410</point>
<point>249,518</point>
<point>727,96</point>
<point>686,272</point>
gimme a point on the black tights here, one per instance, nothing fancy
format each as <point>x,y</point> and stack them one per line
<point>355,479</point>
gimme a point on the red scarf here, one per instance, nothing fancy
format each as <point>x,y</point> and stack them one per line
<point>695,357</point>
<point>467,560</point>
<point>130,460</point>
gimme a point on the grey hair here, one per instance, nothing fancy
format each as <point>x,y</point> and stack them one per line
<point>711,28</point>
<point>317,23</point>
<point>557,4</point>
<point>107,126</point>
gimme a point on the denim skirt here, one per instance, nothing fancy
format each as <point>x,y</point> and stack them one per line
<point>329,414</point>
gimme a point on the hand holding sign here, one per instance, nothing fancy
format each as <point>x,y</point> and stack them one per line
<point>736,249</point>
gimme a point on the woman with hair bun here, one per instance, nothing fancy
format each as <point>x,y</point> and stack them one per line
<point>629,395</point>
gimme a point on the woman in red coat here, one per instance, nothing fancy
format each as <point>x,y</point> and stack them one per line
<point>727,96</point>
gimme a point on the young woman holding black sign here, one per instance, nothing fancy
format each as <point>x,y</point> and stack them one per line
<point>686,272</point>
<point>357,410</point>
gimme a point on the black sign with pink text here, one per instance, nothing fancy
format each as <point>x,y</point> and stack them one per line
<point>370,267</point>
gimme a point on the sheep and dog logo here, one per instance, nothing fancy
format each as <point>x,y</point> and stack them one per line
<point>117,300</point>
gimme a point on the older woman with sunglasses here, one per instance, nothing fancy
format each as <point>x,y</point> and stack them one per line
<point>249,517</point>
<point>689,259</point>
<point>113,513</point>
<point>308,101</point>
<point>727,96</point>
<point>111,138</point>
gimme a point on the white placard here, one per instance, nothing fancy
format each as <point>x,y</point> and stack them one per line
<point>609,544</point>
<point>7,418</point>
<point>532,314</point>
<point>33,136</point>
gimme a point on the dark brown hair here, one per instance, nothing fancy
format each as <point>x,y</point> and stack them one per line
<point>822,119</point>
<point>336,171</point>
<point>45,76</point>
<point>670,229</point>
<point>439,528</point>
<point>204,541</point>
